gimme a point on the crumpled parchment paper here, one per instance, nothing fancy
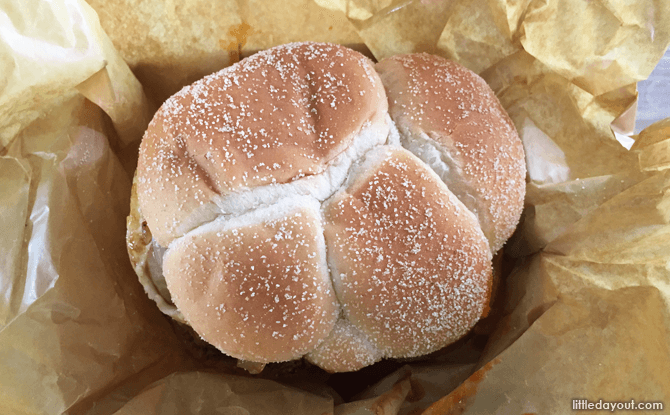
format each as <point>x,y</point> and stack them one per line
<point>583,307</point>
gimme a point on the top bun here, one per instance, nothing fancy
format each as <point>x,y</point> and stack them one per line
<point>450,118</point>
<point>275,117</point>
<point>287,219</point>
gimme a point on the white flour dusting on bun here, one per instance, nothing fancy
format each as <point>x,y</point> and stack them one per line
<point>307,203</point>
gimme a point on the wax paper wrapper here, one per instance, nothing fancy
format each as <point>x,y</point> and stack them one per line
<point>582,305</point>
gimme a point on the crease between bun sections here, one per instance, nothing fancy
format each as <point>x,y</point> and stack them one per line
<point>307,202</point>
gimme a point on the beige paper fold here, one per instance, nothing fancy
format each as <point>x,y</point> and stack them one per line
<point>582,314</point>
<point>652,146</point>
<point>211,393</point>
<point>405,27</point>
<point>595,344</point>
<point>172,44</point>
<point>73,321</point>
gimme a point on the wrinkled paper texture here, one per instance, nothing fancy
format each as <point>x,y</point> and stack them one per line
<point>170,44</point>
<point>584,313</point>
<point>72,319</point>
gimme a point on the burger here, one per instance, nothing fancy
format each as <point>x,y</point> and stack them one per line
<point>309,203</point>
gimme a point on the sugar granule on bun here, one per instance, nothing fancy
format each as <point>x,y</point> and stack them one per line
<point>450,118</point>
<point>410,263</point>
<point>275,117</point>
<point>275,203</point>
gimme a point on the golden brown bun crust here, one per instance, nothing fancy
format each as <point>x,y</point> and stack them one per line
<point>457,110</point>
<point>276,116</point>
<point>293,224</point>
<point>345,349</point>
<point>259,291</point>
<point>412,265</point>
